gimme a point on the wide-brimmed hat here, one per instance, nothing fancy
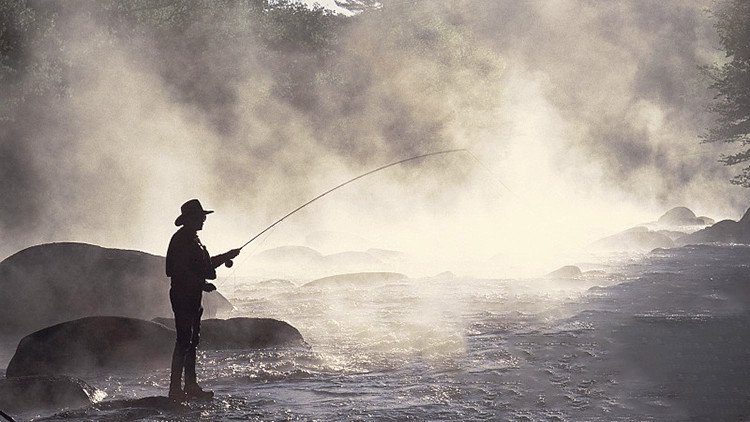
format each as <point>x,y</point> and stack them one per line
<point>191,208</point>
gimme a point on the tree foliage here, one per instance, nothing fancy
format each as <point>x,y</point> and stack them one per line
<point>731,82</point>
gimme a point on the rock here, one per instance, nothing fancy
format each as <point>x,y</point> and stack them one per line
<point>725,231</point>
<point>44,393</point>
<point>143,408</point>
<point>275,283</point>
<point>672,234</point>
<point>356,279</point>
<point>680,216</point>
<point>567,271</point>
<point>634,239</point>
<point>51,283</point>
<point>244,333</point>
<point>112,344</point>
<point>706,221</point>
<point>93,344</point>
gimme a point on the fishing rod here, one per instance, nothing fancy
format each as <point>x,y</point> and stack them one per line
<point>450,151</point>
<point>6,416</point>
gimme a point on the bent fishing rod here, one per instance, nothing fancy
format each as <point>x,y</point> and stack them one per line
<point>450,151</point>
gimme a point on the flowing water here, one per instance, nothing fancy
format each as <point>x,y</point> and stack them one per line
<point>661,337</point>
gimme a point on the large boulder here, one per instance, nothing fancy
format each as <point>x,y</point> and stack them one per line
<point>93,344</point>
<point>682,216</point>
<point>634,239</point>
<point>725,231</point>
<point>24,395</point>
<point>244,333</point>
<point>112,344</point>
<point>51,283</point>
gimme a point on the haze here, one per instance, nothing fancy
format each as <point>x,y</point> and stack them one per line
<point>585,117</point>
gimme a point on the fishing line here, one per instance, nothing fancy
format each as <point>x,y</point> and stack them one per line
<point>493,177</point>
<point>450,151</point>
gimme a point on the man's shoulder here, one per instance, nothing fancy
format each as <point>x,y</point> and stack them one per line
<point>181,237</point>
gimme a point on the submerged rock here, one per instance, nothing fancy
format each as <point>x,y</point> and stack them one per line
<point>567,271</point>
<point>44,393</point>
<point>634,239</point>
<point>275,283</point>
<point>356,279</point>
<point>51,283</point>
<point>244,333</point>
<point>93,344</point>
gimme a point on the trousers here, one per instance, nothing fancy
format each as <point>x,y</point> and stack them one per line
<point>187,309</point>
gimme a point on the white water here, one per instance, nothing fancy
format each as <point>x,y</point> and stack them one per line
<point>659,338</point>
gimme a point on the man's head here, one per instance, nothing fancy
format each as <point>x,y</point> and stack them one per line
<point>193,215</point>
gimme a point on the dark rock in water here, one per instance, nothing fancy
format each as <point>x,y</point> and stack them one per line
<point>681,216</point>
<point>634,239</point>
<point>725,231</point>
<point>93,344</point>
<point>44,393</point>
<point>568,271</point>
<point>51,283</point>
<point>144,408</point>
<point>244,333</point>
<point>356,279</point>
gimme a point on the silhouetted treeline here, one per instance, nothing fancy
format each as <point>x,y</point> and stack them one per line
<point>731,80</point>
<point>274,82</point>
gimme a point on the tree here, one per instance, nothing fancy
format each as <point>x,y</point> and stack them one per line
<point>358,6</point>
<point>731,82</point>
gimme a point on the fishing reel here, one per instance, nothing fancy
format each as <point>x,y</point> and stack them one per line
<point>229,263</point>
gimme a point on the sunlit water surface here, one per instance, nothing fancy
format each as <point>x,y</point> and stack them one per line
<point>630,340</point>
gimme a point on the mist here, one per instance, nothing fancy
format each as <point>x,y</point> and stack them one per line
<point>585,117</point>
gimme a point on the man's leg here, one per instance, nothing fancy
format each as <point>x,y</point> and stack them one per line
<point>181,348</point>
<point>195,331</point>
<point>192,388</point>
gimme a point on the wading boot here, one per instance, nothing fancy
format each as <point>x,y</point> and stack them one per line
<point>177,394</point>
<point>194,391</point>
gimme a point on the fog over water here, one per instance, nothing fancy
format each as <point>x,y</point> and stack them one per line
<point>585,115</point>
<point>423,291</point>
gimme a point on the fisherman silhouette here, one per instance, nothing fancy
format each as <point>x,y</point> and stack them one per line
<point>189,266</point>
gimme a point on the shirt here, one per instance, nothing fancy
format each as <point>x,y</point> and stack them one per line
<point>188,262</point>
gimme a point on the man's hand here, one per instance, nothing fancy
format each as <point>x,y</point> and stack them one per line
<point>233,253</point>
<point>209,287</point>
<point>229,256</point>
